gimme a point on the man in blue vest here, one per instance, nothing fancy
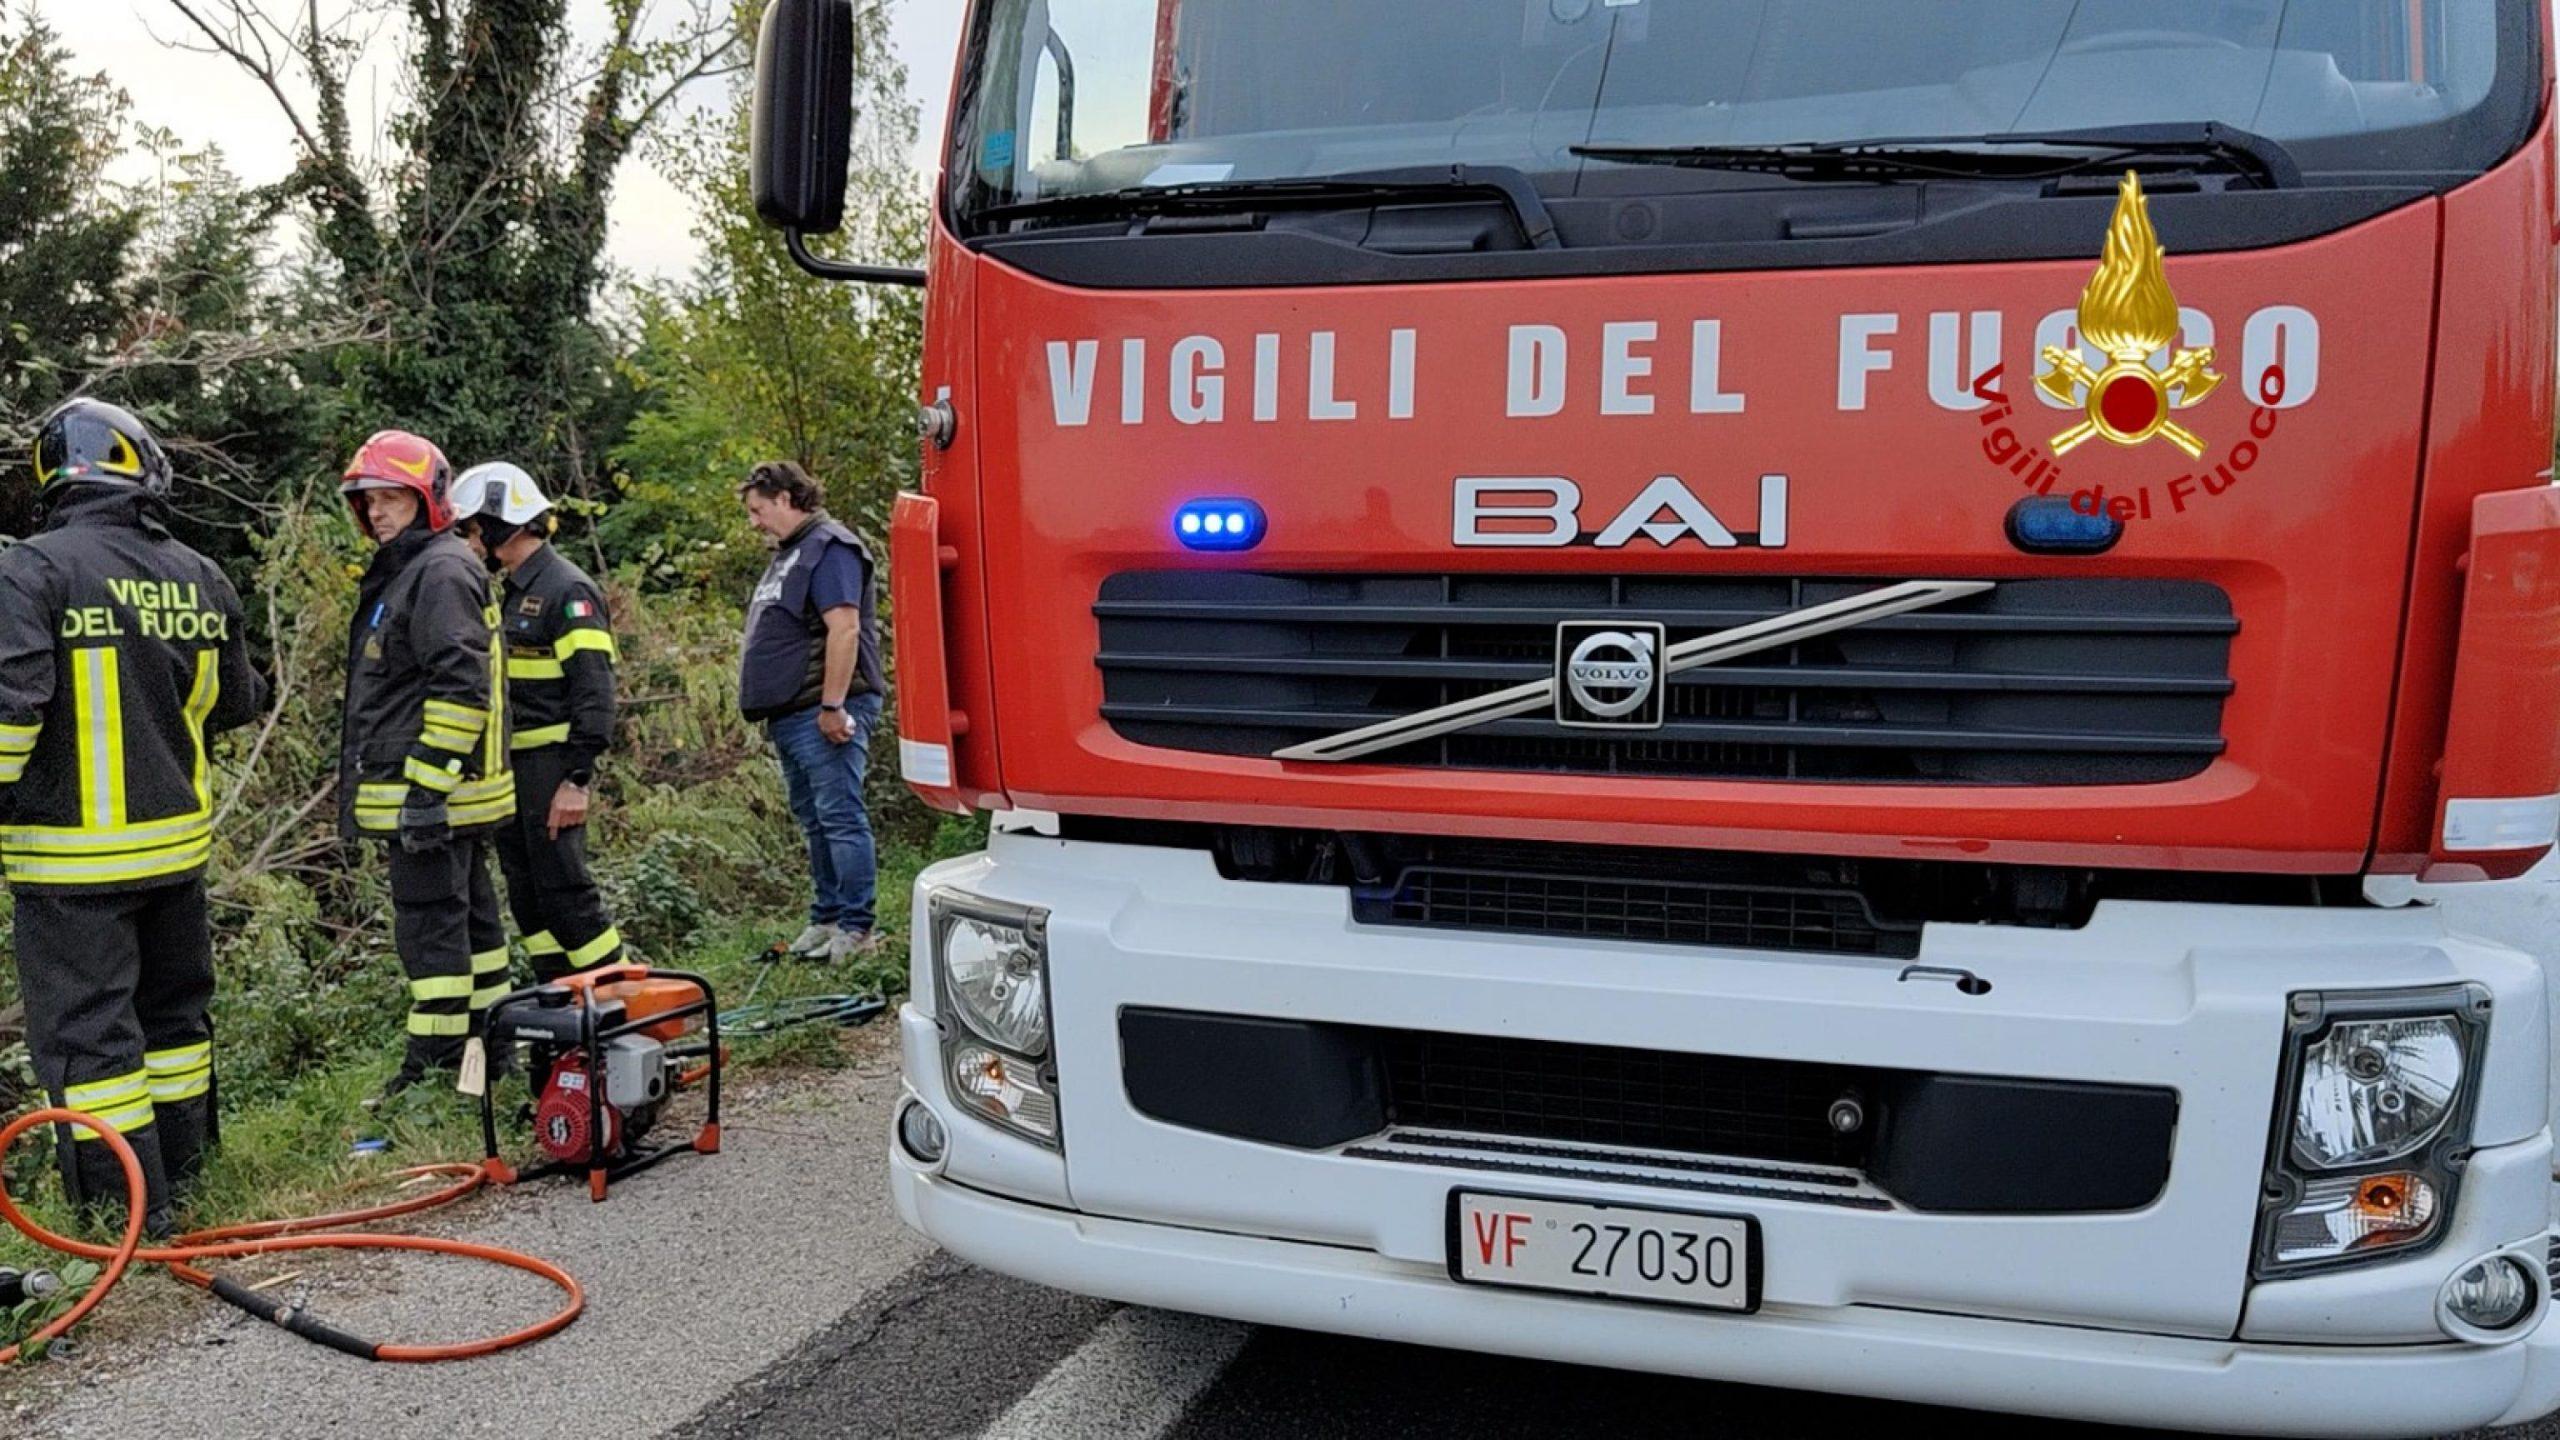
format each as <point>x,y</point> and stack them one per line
<point>809,672</point>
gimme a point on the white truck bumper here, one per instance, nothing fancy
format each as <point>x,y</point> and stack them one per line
<point>2142,1317</point>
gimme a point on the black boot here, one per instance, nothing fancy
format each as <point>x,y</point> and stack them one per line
<point>95,1183</point>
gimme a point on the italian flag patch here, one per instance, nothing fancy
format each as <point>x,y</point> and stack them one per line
<point>580,609</point>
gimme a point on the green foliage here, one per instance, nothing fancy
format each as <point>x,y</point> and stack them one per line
<point>65,232</point>
<point>34,1313</point>
<point>452,292</point>
<point>479,248</point>
<point>751,359</point>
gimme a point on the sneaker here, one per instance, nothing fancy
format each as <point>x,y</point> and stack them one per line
<point>814,942</point>
<point>855,944</point>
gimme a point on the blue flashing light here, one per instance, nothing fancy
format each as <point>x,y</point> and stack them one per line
<point>1220,524</point>
<point>2049,525</point>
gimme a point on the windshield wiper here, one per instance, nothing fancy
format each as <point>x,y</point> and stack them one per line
<point>2266,163</point>
<point>1314,192</point>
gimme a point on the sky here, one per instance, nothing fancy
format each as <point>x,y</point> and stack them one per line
<point>206,100</point>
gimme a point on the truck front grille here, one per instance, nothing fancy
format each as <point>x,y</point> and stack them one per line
<point>1636,895</point>
<point>2036,682</point>
<point>1958,1144</point>
<point>1606,1095</point>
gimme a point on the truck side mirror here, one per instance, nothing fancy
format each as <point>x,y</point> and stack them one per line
<point>800,139</point>
<point>802,134</point>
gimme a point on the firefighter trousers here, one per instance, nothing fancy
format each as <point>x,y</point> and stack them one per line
<point>444,923</point>
<point>557,908</point>
<point>119,996</point>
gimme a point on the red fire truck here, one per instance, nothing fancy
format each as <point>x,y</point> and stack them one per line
<point>1746,690</point>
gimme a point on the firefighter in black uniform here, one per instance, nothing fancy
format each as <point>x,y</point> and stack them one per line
<point>560,705</point>
<point>121,653</point>
<point>423,765</point>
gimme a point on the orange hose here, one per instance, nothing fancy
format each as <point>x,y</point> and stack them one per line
<point>267,1237</point>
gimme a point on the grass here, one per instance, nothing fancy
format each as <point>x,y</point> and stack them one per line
<point>289,1154</point>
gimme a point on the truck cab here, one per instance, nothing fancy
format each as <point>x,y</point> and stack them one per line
<point>1744,690</point>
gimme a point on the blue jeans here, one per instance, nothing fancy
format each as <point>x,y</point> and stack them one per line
<point>825,784</point>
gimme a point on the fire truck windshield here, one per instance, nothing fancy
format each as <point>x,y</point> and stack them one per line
<point>1081,97</point>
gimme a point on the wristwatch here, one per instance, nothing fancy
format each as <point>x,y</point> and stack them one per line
<point>836,705</point>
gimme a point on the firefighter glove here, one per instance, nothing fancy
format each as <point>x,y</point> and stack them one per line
<point>424,824</point>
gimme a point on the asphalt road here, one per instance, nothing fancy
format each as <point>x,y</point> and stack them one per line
<point>770,1292</point>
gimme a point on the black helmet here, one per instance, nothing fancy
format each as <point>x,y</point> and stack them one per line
<point>90,442</point>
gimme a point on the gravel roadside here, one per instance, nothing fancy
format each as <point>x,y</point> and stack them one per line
<point>697,1275</point>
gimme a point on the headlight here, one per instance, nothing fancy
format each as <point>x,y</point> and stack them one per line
<point>995,970</point>
<point>2375,1090</point>
<point>991,962</point>
<point>2341,1217</point>
<point>2491,1295</point>
<point>1006,1089</point>
<point>2372,1126</point>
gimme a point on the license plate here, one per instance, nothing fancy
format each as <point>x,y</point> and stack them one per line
<point>1622,1252</point>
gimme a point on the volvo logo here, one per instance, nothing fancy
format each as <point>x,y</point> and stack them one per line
<point>1609,675</point>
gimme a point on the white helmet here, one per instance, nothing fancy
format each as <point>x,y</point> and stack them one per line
<point>499,491</point>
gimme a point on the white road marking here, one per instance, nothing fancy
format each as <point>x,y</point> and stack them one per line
<point>1134,1378</point>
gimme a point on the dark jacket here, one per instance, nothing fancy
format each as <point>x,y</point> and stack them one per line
<point>426,694</point>
<point>560,654</point>
<point>121,651</point>
<point>783,662</point>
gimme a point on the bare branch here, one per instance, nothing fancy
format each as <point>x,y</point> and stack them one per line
<point>725,59</point>
<point>236,41</point>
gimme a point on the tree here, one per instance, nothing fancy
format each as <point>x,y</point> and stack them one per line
<point>480,242</point>
<point>234,346</point>
<point>752,359</point>
<point>66,235</point>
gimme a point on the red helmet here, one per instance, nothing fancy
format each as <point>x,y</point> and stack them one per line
<point>398,460</point>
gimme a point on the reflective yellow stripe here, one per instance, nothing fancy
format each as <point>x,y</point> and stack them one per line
<point>178,1058</point>
<point>200,703</point>
<point>378,805</point>
<point>20,737</point>
<point>440,987</point>
<point>433,777</point>
<point>92,1093</point>
<point>478,801</point>
<point>439,1024</point>
<point>459,717</point>
<point>489,967</point>
<point>173,1088</point>
<point>541,735</point>
<point>600,641</point>
<point>124,1119</point>
<point>79,840</point>
<point>11,768</point>
<point>145,865</point>
<point>541,944</point>
<point>455,741</point>
<point>493,754</point>
<point>97,708</point>
<point>596,949</point>
<point>521,667</point>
